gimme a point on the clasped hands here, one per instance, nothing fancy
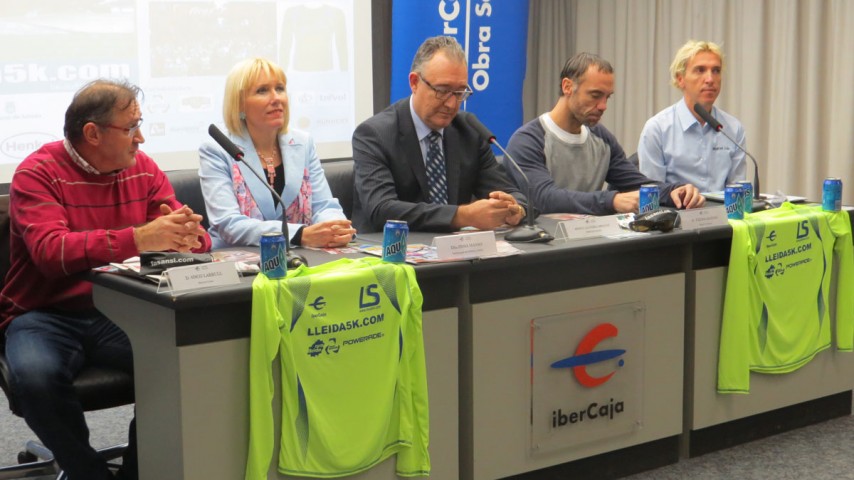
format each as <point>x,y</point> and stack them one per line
<point>179,230</point>
<point>331,233</point>
<point>489,213</point>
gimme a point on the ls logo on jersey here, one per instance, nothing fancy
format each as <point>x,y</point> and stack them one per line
<point>584,356</point>
<point>803,229</point>
<point>368,296</point>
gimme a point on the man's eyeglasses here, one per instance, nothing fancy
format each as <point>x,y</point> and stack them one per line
<point>444,94</point>
<point>130,132</point>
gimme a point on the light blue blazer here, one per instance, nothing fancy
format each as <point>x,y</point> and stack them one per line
<point>229,227</point>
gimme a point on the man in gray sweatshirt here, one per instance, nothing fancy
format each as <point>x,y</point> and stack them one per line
<point>568,157</point>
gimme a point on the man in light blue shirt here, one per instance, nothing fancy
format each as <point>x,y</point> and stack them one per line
<point>676,145</point>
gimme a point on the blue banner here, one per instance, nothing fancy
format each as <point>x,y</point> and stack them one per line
<point>494,35</point>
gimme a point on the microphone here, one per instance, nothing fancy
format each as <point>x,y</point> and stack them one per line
<point>715,124</point>
<point>530,232</point>
<point>708,118</point>
<point>226,143</point>
<point>292,260</point>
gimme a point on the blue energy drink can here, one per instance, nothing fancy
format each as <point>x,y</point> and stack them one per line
<point>831,195</point>
<point>747,185</point>
<point>734,201</point>
<point>648,198</point>
<point>273,262</point>
<point>394,241</point>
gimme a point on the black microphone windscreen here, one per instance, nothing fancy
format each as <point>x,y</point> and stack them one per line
<point>479,127</point>
<point>707,117</point>
<point>224,142</point>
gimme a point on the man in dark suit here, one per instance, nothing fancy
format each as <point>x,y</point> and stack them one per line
<point>420,161</point>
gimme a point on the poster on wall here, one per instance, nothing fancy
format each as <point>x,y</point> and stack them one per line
<point>179,52</point>
<point>494,36</point>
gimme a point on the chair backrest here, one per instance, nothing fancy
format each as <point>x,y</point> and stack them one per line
<point>339,175</point>
<point>188,191</point>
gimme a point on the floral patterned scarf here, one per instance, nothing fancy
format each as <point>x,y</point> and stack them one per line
<point>299,211</point>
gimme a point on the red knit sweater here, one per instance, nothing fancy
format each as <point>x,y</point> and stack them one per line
<point>65,221</point>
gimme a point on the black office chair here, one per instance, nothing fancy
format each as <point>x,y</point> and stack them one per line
<point>188,191</point>
<point>97,387</point>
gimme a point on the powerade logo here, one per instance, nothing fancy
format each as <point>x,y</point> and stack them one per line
<point>332,346</point>
<point>584,356</point>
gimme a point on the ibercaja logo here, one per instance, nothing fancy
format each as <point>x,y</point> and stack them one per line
<point>586,356</point>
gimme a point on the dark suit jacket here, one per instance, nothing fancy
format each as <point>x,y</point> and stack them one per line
<point>391,179</point>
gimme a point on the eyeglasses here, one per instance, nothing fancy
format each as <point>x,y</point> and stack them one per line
<point>130,132</point>
<point>444,94</point>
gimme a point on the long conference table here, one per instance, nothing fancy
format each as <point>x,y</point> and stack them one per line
<point>593,357</point>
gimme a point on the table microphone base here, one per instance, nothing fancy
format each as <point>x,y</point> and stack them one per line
<point>294,260</point>
<point>528,234</point>
<point>760,205</point>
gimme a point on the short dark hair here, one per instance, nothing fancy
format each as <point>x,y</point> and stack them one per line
<point>577,66</point>
<point>433,45</point>
<point>96,102</point>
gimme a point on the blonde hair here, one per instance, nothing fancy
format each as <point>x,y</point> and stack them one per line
<point>687,52</point>
<point>240,79</point>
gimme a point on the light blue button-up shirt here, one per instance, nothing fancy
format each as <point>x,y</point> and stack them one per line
<point>674,148</point>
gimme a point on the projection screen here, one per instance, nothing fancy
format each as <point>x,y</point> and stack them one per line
<point>179,52</point>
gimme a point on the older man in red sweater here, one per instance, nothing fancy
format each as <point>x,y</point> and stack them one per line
<point>85,201</point>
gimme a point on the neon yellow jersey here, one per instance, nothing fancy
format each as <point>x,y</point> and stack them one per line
<point>354,385</point>
<point>776,314</point>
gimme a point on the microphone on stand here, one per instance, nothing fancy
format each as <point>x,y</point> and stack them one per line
<point>716,125</point>
<point>292,260</point>
<point>530,232</point>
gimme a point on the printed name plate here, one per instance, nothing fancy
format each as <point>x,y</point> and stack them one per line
<point>589,227</point>
<point>205,275</point>
<point>466,245</point>
<point>703,217</point>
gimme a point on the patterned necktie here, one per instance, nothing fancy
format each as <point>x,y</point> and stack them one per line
<point>436,178</point>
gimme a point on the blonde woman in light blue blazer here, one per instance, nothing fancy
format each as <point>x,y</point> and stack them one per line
<point>239,207</point>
